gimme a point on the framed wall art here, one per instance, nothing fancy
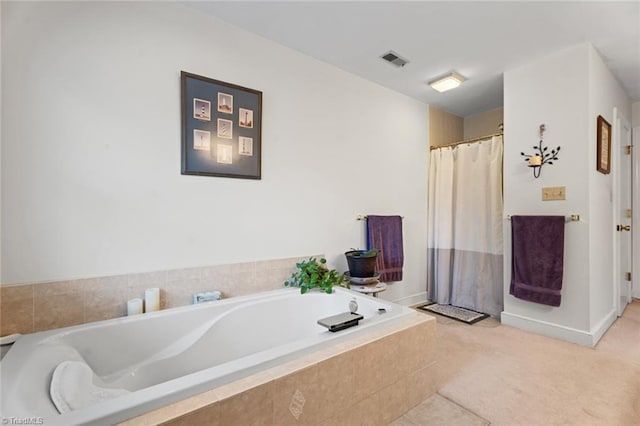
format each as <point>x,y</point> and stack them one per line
<point>221,128</point>
<point>603,146</point>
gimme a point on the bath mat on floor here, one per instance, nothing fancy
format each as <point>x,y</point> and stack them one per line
<point>461,314</point>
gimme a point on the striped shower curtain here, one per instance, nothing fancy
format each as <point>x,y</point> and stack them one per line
<point>465,226</point>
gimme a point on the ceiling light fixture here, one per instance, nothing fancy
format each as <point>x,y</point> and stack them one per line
<point>448,82</point>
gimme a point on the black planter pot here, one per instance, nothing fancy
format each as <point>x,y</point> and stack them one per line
<point>360,266</point>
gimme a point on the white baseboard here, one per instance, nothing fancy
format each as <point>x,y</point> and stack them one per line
<point>602,327</point>
<point>561,332</point>
<point>548,329</point>
<point>412,300</point>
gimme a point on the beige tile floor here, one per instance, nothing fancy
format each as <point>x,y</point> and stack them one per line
<point>494,374</point>
<point>439,411</point>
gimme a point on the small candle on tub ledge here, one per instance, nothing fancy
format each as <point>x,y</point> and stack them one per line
<point>152,299</point>
<point>134,306</point>
<point>535,160</point>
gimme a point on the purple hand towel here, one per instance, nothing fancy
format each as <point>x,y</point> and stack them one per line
<point>385,234</point>
<point>537,258</point>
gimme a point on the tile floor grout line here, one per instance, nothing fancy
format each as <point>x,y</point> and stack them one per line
<point>463,407</point>
<point>406,419</point>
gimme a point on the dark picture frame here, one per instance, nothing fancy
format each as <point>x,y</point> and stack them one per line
<point>214,141</point>
<point>603,146</point>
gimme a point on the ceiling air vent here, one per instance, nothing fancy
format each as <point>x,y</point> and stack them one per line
<point>395,59</point>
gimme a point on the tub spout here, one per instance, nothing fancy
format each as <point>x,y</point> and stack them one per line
<point>206,296</point>
<point>353,305</point>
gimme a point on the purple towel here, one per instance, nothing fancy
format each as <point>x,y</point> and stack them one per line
<point>385,234</point>
<point>537,255</point>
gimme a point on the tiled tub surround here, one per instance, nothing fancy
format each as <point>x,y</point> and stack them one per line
<point>28,308</point>
<point>209,346</point>
<point>369,380</point>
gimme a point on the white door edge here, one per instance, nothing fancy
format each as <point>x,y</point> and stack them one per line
<point>635,226</point>
<point>621,297</point>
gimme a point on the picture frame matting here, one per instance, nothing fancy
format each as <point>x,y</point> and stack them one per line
<point>231,115</point>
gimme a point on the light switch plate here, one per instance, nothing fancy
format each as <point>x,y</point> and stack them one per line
<point>553,193</point>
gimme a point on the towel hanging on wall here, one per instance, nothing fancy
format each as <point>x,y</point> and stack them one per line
<point>537,258</point>
<point>385,234</point>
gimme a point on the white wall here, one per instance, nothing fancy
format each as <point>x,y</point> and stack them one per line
<point>535,94</point>
<point>635,115</point>
<point>0,148</point>
<point>605,94</point>
<point>91,182</point>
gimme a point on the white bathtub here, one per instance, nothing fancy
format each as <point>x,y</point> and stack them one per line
<point>166,356</point>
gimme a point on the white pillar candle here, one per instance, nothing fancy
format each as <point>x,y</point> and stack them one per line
<point>535,160</point>
<point>134,306</point>
<point>151,299</point>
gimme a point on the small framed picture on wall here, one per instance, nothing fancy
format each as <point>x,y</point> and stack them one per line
<point>603,146</point>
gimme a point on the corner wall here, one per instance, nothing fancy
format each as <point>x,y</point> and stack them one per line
<point>605,94</point>
<point>483,123</point>
<point>444,127</point>
<point>568,103</point>
<point>91,182</point>
<point>536,94</point>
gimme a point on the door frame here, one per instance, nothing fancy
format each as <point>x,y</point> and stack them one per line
<point>617,143</point>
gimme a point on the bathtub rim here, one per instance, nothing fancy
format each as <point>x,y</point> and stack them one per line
<point>184,407</point>
<point>150,405</point>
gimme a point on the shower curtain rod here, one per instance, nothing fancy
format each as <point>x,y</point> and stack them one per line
<point>467,141</point>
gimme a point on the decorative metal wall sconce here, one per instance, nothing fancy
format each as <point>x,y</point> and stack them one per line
<point>541,157</point>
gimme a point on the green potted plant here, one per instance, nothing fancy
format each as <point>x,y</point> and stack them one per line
<point>313,273</point>
<point>362,263</point>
